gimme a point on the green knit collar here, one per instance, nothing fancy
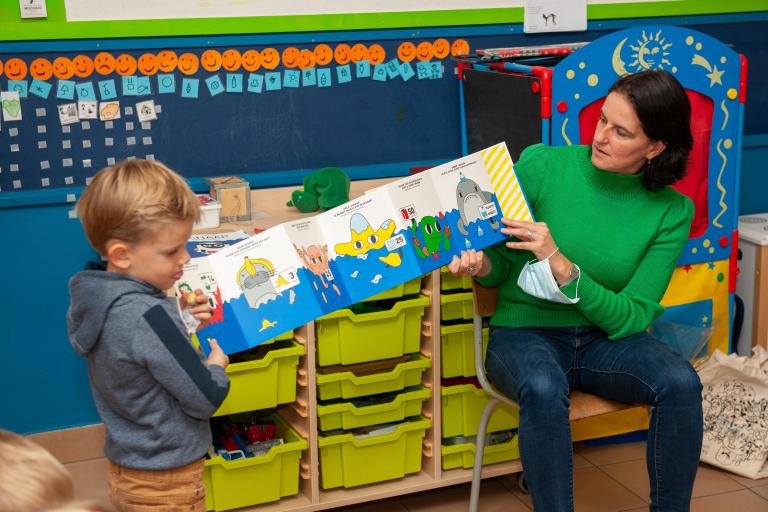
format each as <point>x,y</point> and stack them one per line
<point>621,186</point>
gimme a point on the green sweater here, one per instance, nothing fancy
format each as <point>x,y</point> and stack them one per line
<point>625,239</point>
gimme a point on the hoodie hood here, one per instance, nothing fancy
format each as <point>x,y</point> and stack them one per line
<point>92,293</point>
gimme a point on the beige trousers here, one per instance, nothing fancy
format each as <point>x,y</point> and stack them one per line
<point>171,490</point>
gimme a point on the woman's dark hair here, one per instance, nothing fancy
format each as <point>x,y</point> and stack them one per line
<point>665,115</point>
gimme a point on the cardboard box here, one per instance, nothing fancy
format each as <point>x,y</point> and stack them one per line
<point>234,194</point>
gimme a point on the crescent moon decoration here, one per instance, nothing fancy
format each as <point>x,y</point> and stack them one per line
<point>616,62</point>
<point>716,221</point>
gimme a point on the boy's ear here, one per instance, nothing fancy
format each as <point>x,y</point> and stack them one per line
<point>118,254</point>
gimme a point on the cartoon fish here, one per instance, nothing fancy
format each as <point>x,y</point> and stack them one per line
<point>266,324</point>
<point>364,238</point>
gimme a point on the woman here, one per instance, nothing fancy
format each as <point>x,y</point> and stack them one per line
<point>576,315</point>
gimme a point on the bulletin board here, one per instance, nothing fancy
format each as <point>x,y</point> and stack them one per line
<point>230,109</point>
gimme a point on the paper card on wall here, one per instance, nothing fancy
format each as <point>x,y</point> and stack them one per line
<point>406,71</point>
<point>143,86</point>
<point>85,91</point>
<point>309,77</point>
<point>423,70</point>
<point>68,113</point>
<point>109,110</point>
<point>380,73</point>
<point>11,103</point>
<point>363,69</point>
<point>272,81</point>
<point>145,111</point>
<point>436,69</point>
<point>40,88</point>
<point>291,78</point>
<point>87,109</point>
<point>214,85</point>
<point>343,74</point>
<point>65,90</point>
<point>19,86</point>
<point>554,15</point>
<point>393,68</point>
<point>372,255</point>
<point>107,89</point>
<point>255,83</point>
<point>130,85</point>
<point>189,87</point>
<point>324,77</point>
<point>166,84</point>
<point>234,82</point>
<point>318,267</point>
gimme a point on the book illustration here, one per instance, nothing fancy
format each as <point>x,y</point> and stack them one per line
<point>474,204</point>
<point>209,243</point>
<point>367,247</point>
<point>259,291</point>
<point>503,179</point>
<point>435,239</point>
<point>318,267</point>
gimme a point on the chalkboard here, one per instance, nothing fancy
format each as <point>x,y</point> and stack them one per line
<point>501,108</point>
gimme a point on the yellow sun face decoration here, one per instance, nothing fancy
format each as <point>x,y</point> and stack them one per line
<point>650,53</point>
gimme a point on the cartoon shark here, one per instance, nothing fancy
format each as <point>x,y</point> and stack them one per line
<point>470,199</point>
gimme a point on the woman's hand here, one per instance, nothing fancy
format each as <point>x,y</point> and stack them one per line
<point>535,237</point>
<point>197,303</point>
<point>472,263</point>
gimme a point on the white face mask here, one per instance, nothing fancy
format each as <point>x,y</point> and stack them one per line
<point>536,279</point>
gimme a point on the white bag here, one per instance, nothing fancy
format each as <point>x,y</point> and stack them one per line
<point>735,403</point>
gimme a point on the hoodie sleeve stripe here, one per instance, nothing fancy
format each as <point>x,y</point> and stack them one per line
<point>183,352</point>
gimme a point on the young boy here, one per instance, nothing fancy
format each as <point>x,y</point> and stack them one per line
<point>31,478</point>
<point>153,390</point>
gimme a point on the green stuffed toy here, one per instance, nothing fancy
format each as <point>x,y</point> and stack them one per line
<point>326,188</point>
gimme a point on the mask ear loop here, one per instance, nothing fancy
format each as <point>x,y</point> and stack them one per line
<point>577,282</point>
<point>553,253</point>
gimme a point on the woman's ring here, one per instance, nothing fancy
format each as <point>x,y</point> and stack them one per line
<point>531,235</point>
<point>471,269</point>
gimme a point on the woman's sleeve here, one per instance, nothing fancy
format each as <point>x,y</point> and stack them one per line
<point>633,309</point>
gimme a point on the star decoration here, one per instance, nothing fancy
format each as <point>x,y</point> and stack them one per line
<point>714,76</point>
<point>687,268</point>
<point>704,320</point>
<point>711,265</point>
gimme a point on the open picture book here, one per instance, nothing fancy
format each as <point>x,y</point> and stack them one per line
<point>286,276</point>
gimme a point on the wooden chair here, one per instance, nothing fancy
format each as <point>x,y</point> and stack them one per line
<point>583,405</point>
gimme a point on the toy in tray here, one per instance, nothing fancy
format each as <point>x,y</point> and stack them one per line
<point>243,439</point>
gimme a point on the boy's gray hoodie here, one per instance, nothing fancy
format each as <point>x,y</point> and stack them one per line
<point>153,390</point>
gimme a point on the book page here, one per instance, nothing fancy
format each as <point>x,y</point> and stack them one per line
<point>372,255</point>
<point>318,268</point>
<point>469,203</point>
<point>261,293</point>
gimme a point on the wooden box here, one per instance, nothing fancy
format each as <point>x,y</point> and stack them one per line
<point>234,194</point>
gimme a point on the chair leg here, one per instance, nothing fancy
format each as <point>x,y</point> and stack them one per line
<point>477,469</point>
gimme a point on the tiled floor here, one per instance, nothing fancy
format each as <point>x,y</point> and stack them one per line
<point>606,479</point>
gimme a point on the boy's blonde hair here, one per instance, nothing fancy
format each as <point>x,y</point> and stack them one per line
<point>31,478</point>
<point>133,199</point>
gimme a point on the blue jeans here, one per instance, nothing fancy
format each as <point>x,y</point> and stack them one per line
<point>539,366</point>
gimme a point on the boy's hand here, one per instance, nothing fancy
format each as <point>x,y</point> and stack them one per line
<point>216,355</point>
<point>198,305</point>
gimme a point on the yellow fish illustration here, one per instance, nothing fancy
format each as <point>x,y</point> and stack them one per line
<point>364,238</point>
<point>266,324</point>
